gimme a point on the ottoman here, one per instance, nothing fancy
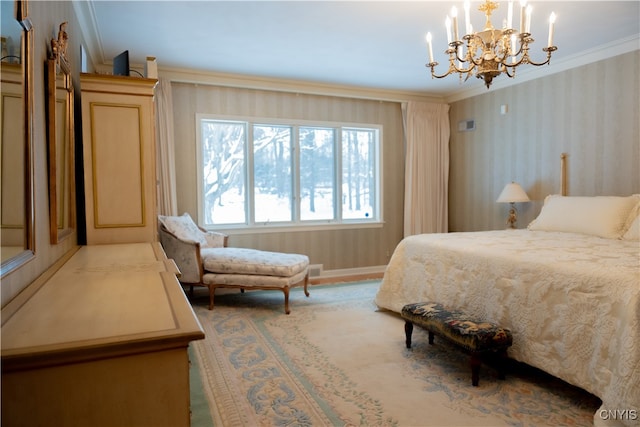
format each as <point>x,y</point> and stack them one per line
<point>254,269</point>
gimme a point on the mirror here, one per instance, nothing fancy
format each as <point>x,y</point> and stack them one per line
<point>60,139</point>
<point>16,161</point>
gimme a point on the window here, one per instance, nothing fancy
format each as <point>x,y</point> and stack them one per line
<point>268,173</point>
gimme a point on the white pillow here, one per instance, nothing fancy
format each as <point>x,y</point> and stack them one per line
<point>633,233</point>
<point>184,228</point>
<point>602,216</point>
<point>635,211</point>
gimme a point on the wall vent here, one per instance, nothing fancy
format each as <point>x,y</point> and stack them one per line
<point>315,270</point>
<point>466,125</point>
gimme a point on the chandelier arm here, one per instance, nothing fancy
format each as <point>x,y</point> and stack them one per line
<point>453,51</point>
<point>471,48</point>
<point>464,59</point>
<point>452,69</point>
<point>432,65</point>
<point>523,59</point>
<point>472,66</point>
<point>505,69</point>
<point>523,47</point>
<point>453,57</point>
<point>546,49</point>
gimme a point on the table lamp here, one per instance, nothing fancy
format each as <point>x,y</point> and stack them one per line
<point>512,193</point>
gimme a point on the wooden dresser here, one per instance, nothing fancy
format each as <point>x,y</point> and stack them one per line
<point>99,340</point>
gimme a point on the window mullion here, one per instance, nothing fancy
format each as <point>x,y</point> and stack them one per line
<point>338,175</point>
<point>295,159</point>
<point>250,190</point>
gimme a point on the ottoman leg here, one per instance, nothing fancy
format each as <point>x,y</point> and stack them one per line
<point>408,330</point>
<point>475,370</point>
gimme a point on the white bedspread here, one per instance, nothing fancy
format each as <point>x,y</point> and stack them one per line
<point>572,301</point>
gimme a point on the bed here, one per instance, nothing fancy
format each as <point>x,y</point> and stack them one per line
<point>568,287</point>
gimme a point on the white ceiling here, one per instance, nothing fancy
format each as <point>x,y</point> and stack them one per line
<point>369,44</point>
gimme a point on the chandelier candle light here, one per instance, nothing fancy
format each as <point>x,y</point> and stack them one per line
<point>490,52</point>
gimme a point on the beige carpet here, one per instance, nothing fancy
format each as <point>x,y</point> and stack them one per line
<point>338,361</point>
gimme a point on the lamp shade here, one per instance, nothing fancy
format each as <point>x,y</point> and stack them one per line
<point>512,193</point>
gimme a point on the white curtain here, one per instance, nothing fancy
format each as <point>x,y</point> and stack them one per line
<point>427,134</point>
<point>167,202</point>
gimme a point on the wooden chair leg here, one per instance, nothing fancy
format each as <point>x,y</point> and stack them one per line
<point>286,299</point>
<point>212,291</point>
<point>306,282</point>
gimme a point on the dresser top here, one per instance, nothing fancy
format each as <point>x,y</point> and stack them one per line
<point>106,299</point>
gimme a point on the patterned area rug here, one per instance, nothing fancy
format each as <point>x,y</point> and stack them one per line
<point>338,361</point>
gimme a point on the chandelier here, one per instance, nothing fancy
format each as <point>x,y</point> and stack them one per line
<point>490,52</point>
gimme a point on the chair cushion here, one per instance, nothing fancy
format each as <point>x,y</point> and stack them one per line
<point>253,262</point>
<point>184,228</point>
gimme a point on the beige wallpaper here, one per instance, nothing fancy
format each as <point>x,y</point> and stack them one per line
<point>591,113</point>
<point>346,248</point>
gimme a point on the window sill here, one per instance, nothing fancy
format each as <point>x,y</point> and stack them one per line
<point>231,230</point>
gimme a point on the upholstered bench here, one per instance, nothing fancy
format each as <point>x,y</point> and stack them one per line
<point>475,337</point>
<point>253,269</point>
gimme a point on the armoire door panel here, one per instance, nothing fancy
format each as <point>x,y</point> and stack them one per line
<point>118,166</point>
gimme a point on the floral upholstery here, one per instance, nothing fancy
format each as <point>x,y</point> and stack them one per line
<point>249,281</point>
<point>203,258</point>
<point>182,241</point>
<point>458,327</point>
<point>253,262</point>
<point>183,228</point>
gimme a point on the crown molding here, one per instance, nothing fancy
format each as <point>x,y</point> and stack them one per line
<point>294,86</point>
<point>85,13</point>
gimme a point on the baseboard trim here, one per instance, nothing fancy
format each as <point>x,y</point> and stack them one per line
<point>349,275</point>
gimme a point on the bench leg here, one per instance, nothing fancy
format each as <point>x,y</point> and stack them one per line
<point>475,370</point>
<point>502,360</point>
<point>408,330</point>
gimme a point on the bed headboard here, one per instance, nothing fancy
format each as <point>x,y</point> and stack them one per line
<point>563,174</point>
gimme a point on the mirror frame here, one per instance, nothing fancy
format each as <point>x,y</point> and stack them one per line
<point>26,55</point>
<point>58,64</point>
